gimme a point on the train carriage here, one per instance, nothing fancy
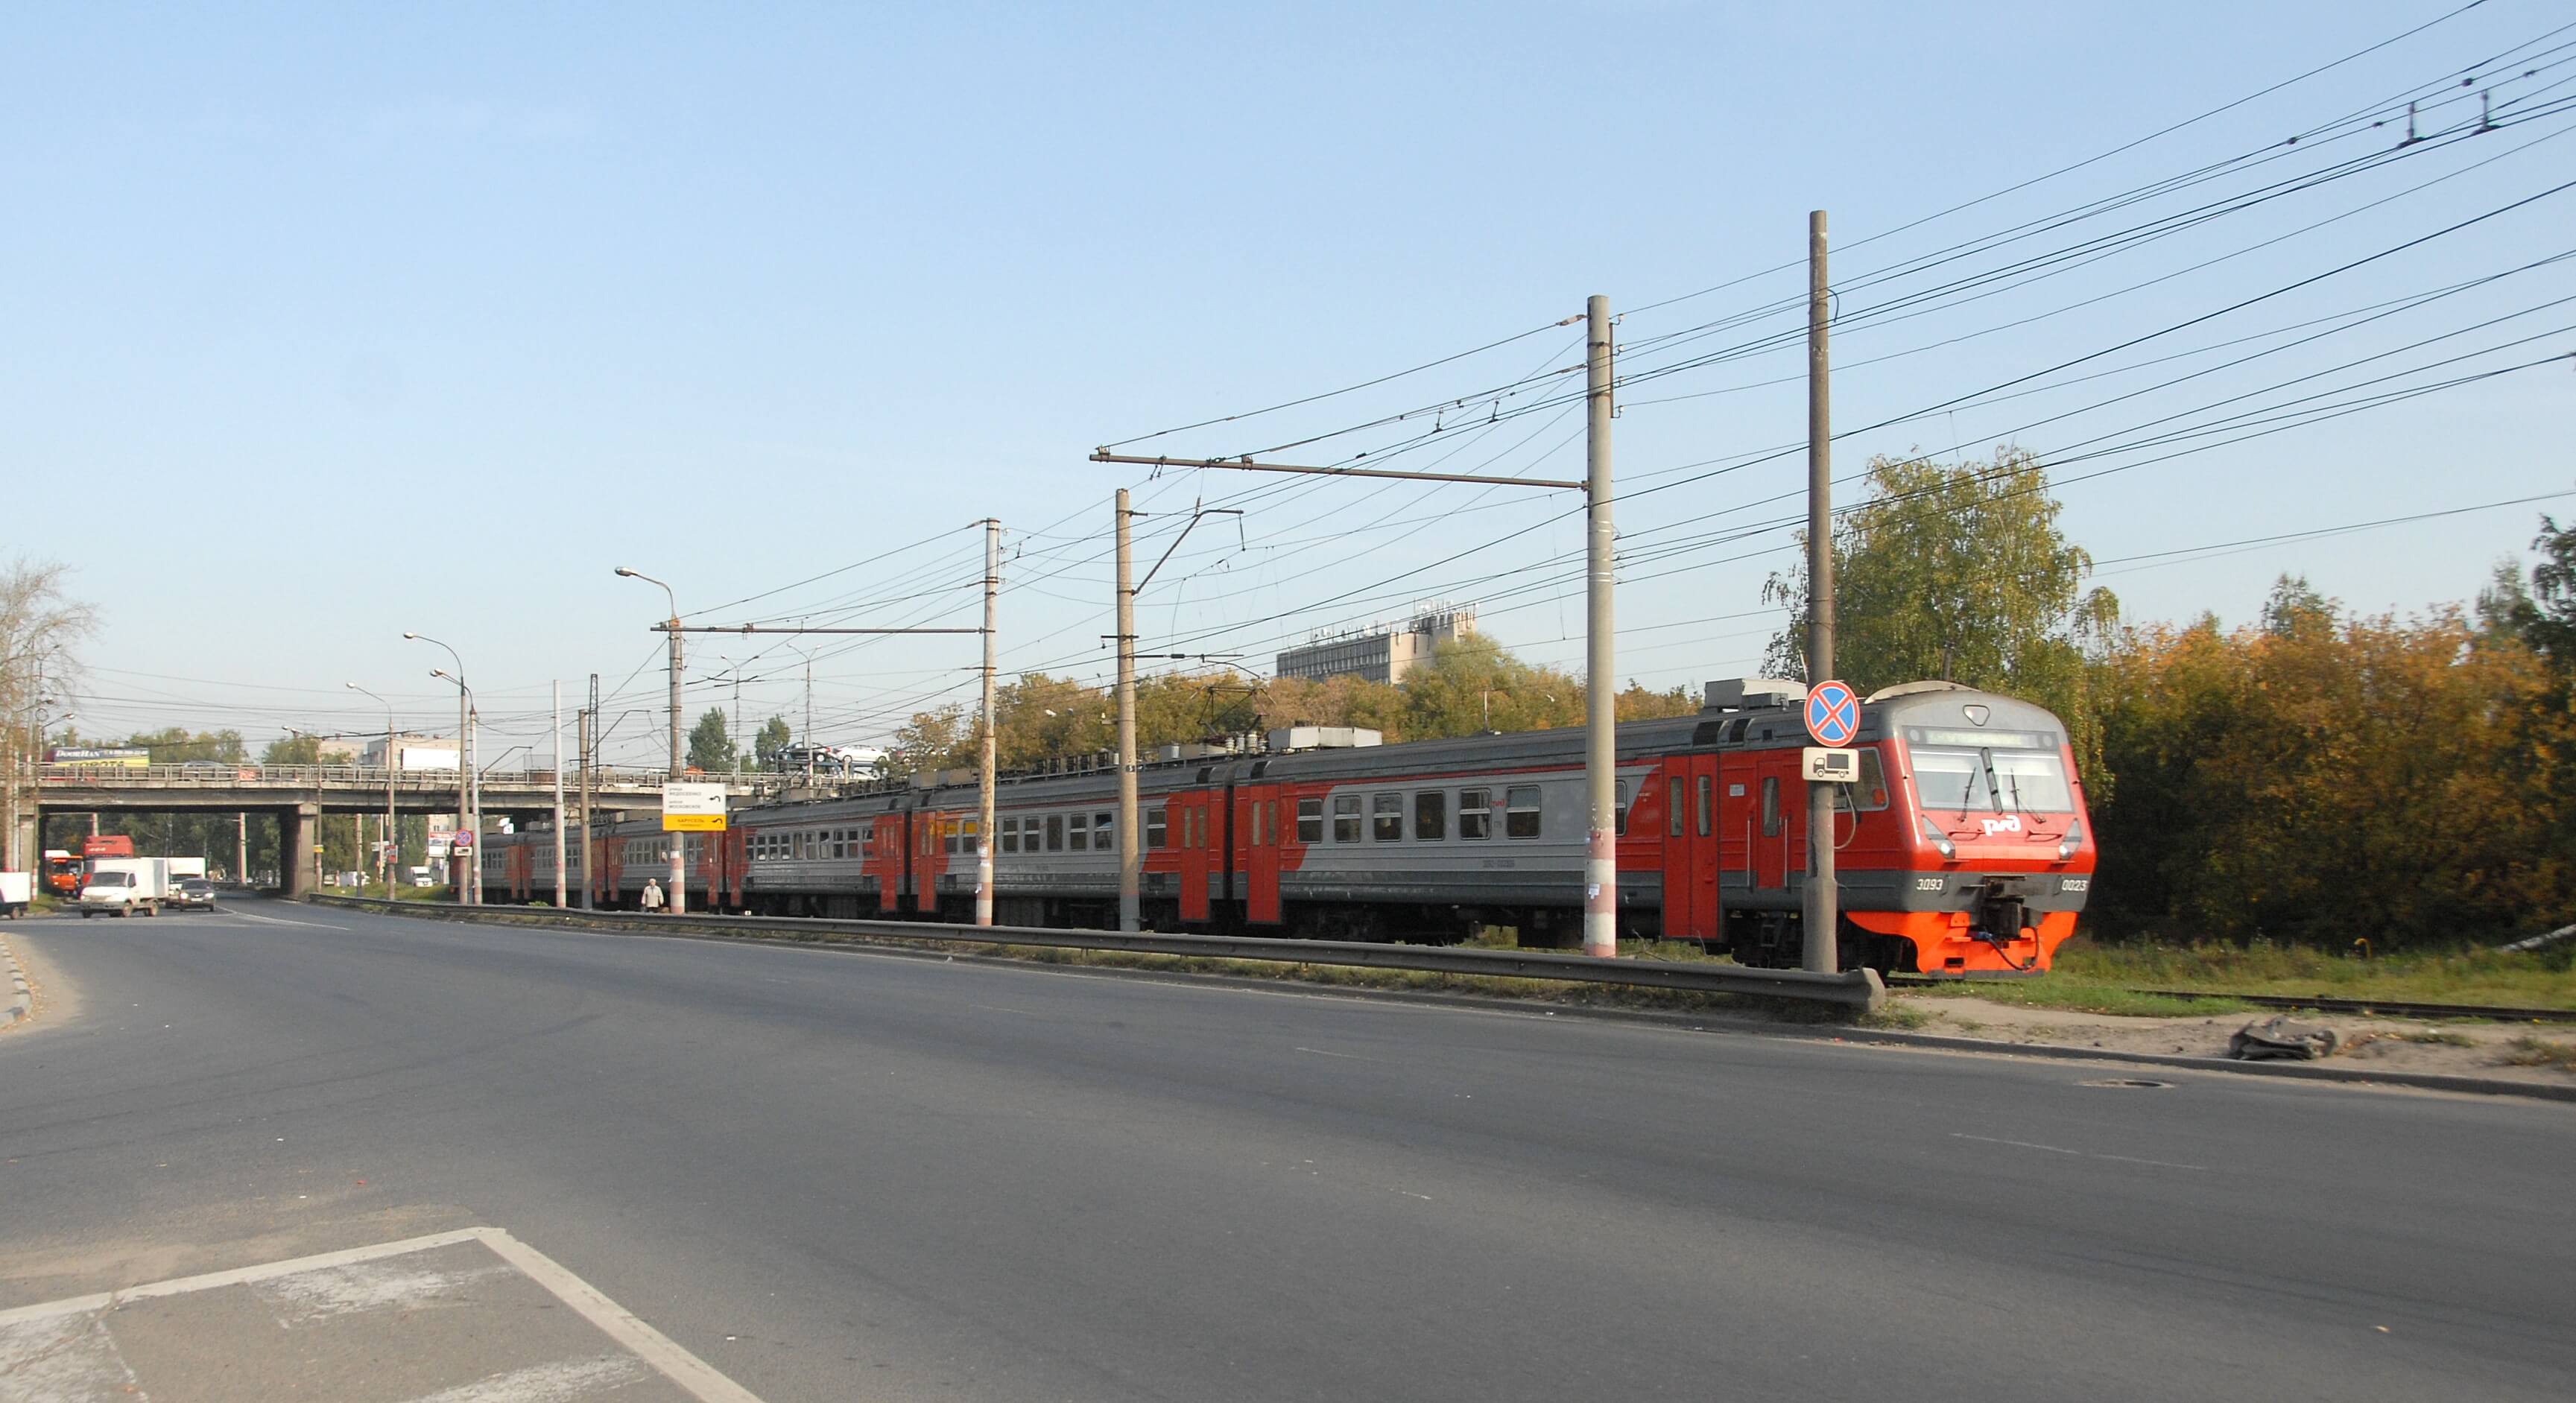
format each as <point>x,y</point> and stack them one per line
<point>1961,848</point>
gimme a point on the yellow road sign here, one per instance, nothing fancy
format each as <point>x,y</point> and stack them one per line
<point>693,823</point>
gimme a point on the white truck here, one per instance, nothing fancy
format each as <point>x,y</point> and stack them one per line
<point>16,890</point>
<point>184,867</point>
<point>125,885</point>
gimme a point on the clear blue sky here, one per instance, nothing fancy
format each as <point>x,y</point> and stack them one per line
<point>328,322</point>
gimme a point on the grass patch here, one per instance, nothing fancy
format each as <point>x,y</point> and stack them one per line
<point>2060,989</point>
<point>2541,979</point>
<point>2529,1051</point>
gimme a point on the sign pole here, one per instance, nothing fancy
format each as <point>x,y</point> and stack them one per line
<point>1821,908</point>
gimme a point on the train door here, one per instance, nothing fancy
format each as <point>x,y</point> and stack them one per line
<point>609,868</point>
<point>1256,827</point>
<point>1198,853</point>
<point>1690,847</point>
<point>885,859</point>
<point>1775,812</point>
<point>522,882</point>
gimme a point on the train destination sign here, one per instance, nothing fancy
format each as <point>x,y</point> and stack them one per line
<point>693,808</point>
<point>1833,713</point>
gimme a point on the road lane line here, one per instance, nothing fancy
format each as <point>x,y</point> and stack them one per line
<point>278,920</point>
<point>617,1322</point>
<point>559,1382</point>
<point>2079,1154</point>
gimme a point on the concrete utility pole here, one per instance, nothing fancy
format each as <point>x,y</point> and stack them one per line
<point>677,897</point>
<point>1600,747</point>
<point>241,847</point>
<point>1822,908</point>
<point>985,753</point>
<point>559,804</point>
<point>1601,699</point>
<point>1131,853</point>
<point>587,740</point>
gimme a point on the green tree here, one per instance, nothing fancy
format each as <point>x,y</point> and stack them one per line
<point>710,744</point>
<point>774,737</point>
<point>1960,573</point>
<point>931,740</point>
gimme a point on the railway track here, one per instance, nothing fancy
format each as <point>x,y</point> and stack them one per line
<point>2399,1008</point>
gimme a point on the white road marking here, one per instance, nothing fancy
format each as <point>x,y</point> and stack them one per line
<point>544,1383</point>
<point>308,1296</point>
<point>279,920</point>
<point>238,1276</point>
<point>617,1322</point>
<point>54,1360</point>
<point>2079,1154</point>
<point>53,1338</point>
<point>1352,1056</point>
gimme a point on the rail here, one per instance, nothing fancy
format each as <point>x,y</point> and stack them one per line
<point>1858,989</point>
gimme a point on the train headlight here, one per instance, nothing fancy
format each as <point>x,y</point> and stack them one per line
<point>2074,837</point>
<point>1940,841</point>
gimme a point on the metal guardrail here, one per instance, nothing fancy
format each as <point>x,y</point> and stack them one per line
<point>1858,989</point>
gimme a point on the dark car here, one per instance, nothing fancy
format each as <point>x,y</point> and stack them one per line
<point>194,892</point>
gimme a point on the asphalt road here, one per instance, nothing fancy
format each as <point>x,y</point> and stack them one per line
<point>848,1177</point>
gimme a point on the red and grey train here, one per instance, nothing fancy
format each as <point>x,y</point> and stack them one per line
<point>1963,848</point>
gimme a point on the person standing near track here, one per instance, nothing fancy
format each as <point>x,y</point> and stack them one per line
<point>652,894</point>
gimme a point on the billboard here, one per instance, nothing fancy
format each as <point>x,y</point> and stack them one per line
<point>122,756</point>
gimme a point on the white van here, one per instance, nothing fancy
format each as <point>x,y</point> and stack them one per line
<point>146,885</point>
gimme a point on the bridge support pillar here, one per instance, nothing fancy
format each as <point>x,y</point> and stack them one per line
<point>299,829</point>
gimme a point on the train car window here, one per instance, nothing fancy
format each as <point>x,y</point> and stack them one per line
<point>1520,811</point>
<point>1346,818</point>
<point>1010,835</point>
<point>1870,790</point>
<point>1475,814</point>
<point>1673,806</point>
<point>1771,806</point>
<point>1735,733</point>
<point>1701,819</point>
<point>1104,834</point>
<point>1077,833</point>
<point>1274,822</point>
<point>1310,820</point>
<point>1055,833</point>
<point>1158,831</point>
<point>1431,816</point>
<point>1386,818</point>
<point>1619,821</point>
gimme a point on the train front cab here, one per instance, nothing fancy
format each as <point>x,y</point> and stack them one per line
<point>1964,850</point>
<point>1995,857</point>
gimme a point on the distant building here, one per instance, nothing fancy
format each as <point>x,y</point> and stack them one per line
<point>412,753</point>
<point>1382,654</point>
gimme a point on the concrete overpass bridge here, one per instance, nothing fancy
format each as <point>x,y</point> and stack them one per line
<point>297,795</point>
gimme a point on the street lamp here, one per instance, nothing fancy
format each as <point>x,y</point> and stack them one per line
<point>467,819</point>
<point>384,855</point>
<point>679,846</point>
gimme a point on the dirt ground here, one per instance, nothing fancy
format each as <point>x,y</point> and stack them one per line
<point>2450,1047</point>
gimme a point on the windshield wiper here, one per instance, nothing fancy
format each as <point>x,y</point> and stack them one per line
<point>1993,790</point>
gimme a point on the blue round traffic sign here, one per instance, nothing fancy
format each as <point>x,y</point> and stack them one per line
<point>1833,713</point>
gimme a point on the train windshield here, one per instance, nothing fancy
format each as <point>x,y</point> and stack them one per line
<point>2004,778</point>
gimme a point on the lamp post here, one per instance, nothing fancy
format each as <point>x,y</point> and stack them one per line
<point>467,892</point>
<point>384,854</point>
<point>679,845</point>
